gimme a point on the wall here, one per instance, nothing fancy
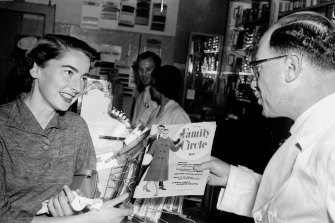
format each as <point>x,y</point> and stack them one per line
<point>193,16</point>
<point>67,11</point>
<point>198,16</point>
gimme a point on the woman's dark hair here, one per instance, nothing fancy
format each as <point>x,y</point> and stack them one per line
<point>310,34</point>
<point>168,80</point>
<point>143,56</point>
<point>48,47</point>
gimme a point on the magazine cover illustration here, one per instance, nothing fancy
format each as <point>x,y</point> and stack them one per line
<point>171,153</point>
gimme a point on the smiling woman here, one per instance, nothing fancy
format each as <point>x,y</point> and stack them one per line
<point>57,65</point>
<point>59,83</point>
<point>42,144</point>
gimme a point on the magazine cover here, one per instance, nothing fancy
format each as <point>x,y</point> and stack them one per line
<point>171,153</point>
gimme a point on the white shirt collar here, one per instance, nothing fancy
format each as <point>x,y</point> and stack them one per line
<point>319,117</point>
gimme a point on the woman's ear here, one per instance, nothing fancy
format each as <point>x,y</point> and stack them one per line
<point>293,68</point>
<point>35,71</point>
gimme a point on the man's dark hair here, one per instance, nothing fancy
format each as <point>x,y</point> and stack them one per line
<point>309,34</point>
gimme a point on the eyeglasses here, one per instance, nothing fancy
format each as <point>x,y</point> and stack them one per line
<point>255,64</point>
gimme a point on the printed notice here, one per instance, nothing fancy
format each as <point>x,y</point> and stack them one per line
<point>171,153</point>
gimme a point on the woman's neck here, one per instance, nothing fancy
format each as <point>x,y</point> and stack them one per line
<point>42,115</point>
<point>164,101</point>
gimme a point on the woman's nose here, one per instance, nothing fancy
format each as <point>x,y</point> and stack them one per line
<point>76,85</point>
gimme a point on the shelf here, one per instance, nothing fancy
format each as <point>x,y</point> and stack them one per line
<point>234,28</point>
<point>209,72</point>
<point>258,22</point>
<point>239,52</point>
<point>237,73</point>
<point>310,8</point>
<point>211,51</point>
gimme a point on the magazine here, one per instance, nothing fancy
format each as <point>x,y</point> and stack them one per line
<point>171,153</point>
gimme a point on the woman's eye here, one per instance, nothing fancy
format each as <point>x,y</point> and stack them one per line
<point>69,72</point>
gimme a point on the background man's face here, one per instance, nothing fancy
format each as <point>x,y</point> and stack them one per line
<point>145,69</point>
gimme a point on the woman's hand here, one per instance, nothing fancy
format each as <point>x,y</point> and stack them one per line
<point>60,204</point>
<point>112,211</point>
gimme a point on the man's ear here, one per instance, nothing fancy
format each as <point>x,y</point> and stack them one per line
<point>293,68</point>
<point>35,71</point>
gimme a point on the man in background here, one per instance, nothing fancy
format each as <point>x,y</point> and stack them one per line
<point>143,105</point>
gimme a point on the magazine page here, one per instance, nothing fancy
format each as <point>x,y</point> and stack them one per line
<point>171,153</point>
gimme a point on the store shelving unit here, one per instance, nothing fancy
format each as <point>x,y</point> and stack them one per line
<point>316,7</point>
<point>202,74</point>
<point>324,7</point>
<point>247,21</point>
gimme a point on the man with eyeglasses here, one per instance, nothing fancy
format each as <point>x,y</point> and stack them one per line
<point>295,78</point>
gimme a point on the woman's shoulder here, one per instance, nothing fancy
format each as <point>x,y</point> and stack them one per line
<point>74,119</point>
<point>178,114</point>
<point>5,111</point>
<point>6,106</point>
<point>176,109</point>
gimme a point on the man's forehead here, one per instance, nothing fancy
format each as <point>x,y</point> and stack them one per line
<point>264,45</point>
<point>148,62</point>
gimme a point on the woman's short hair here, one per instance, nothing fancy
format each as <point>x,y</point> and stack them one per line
<point>168,80</point>
<point>47,47</point>
<point>310,34</point>
<point>55,46</point>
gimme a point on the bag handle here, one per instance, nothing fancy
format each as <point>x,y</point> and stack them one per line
<point>83,172</point>
<point>86,181</point>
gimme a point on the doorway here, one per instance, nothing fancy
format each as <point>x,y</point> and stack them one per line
<point>20,19</point>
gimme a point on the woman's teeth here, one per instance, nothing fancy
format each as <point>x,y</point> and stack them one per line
<point>66,97</point>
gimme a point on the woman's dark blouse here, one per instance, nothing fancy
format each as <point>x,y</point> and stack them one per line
<point>36,163</point>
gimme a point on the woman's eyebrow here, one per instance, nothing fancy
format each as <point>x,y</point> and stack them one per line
<point>71,67</point>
